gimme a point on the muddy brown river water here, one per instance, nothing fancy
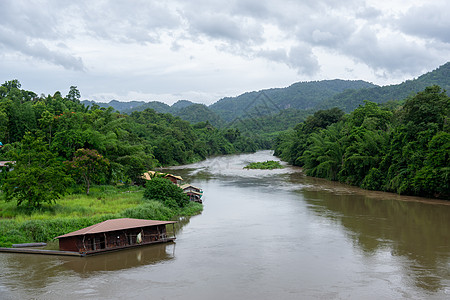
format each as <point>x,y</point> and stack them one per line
<point>263,235</point>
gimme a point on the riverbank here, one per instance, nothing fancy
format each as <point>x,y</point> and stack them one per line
<point>76,211</point>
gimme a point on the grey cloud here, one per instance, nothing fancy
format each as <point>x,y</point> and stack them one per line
<point>29,18</point>
<point>130,21</point>
<point>393,54</point>
<point>300,58</point>
<point>18,42</point>
<point>368,13</point>
<point>254,8</point>
<point>39,50</point>
<point>225,27</point>
<point>278,55</point>
<point>430,21</point>
<point>303,60</point>
<point>330,31</point>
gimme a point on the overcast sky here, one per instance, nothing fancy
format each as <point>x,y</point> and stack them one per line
<point>203,50</point>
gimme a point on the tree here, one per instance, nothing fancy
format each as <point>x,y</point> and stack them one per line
<point>161,189</point>
<point>429,106</point>
<point>89,165</point>
<point>74,94</point>
<point>38,176</point>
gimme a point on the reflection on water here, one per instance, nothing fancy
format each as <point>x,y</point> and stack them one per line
<point>123,259</point>
<point>414,230</point>
<point>33,271</point>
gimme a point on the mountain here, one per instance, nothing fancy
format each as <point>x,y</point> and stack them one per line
<point>155,105</point>
<point>117,105</point>
<point>300,95</point>
<point>182,104</point>
<point>351,99</point>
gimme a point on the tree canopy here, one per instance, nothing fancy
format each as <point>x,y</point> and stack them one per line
<point>38,176</point>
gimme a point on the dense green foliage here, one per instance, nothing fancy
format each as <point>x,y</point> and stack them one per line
<point>404,150</point>
<point>264,129</point>
<point>38,176</point>
<point>161,189</point>
<point>290,145</point>
<point>89,165</point>
<point>266,165</point>
<point>56,127</point>
<point>195,113</point>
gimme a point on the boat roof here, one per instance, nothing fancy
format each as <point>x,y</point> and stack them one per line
<point>195,193</point>
<point>184,186</point>
<point>115,224</point>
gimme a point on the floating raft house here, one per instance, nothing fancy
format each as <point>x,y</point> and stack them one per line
<point>114,235</point>
<point>107,236</point>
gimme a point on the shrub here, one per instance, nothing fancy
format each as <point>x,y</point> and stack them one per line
<point>161,189</point>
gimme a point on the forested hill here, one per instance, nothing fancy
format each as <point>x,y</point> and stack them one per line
<point>351,99</point>
<point>117,105</point>
<point>186,110</point>
<point>300,95</point>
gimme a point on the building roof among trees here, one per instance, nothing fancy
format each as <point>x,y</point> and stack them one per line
<point>150,174</point>
<point>4,162</point>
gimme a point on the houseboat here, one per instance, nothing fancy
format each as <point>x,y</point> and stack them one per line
<point>114,235</point>
<point>195,194</point>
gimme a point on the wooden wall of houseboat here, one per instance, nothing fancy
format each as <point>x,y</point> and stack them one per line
<point>112,239</point>
<point>68,244</point>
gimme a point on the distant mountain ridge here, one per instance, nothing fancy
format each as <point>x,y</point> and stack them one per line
<point>350,99</point>
<point>300,95</point>
<point>312,95</point>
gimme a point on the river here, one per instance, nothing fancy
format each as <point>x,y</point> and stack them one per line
<point>263,234</point>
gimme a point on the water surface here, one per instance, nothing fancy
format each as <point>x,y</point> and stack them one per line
<point>263,234</point>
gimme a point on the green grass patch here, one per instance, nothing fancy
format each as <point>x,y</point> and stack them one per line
<point>267,165</point>
<point>73,212</point>
<point>102,200</point>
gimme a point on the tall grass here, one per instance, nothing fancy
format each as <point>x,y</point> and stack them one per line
<point>101,200</point>
<point>76,211</point>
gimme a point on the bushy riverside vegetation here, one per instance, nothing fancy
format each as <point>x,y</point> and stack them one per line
<point>266,165</point>
<point>20,224</point>
<point>401,147</point>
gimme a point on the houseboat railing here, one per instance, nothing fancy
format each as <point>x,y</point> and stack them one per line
<point>130,240</point>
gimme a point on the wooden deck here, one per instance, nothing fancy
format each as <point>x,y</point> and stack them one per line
<point>73,253</point>
<point>40,251</point>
